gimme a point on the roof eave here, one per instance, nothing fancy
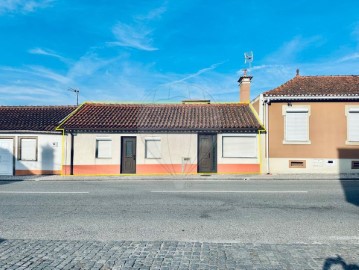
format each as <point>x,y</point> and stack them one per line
<point>274,98</point>
<point>31,131</point>
<point>152,130</point>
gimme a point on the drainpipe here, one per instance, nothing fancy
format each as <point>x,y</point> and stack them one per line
<point>72,154</point>
<point>267,135</point>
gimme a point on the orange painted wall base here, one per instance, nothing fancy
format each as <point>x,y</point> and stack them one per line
<point>92,169</point>
<point>238,168</point>
<point>165,168</point>
<point>159,169</point>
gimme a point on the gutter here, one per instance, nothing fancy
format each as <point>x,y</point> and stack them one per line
<point>64,151</point>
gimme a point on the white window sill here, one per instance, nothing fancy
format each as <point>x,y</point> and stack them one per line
<point>351,143</point>
<point>241,157</point>
<point>297,142</point>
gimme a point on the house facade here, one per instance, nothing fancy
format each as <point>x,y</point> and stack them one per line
<point>112,139</point>
<point>29,143</point>
<point>312,125</point>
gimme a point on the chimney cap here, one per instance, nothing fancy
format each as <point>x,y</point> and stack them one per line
<point>244,77</point>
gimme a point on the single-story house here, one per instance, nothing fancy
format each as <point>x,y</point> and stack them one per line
<point>312,125</point>
<point>191,137</point>
<point>29,143</point>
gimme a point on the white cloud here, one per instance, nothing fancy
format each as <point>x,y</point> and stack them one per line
<point>50,53</point>
<point>350,57</point>
<point>22,6</point>
<point>196,74</point>
<point>290,50</point>
<point>136,36</point>
<point>153,14</point>
<point>49,74</point>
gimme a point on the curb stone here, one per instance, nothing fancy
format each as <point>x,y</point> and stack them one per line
<point>204,177</point>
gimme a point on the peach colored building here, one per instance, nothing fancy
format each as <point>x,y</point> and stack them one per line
<point>312,125</point>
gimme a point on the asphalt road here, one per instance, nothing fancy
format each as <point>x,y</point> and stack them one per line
<point>252,211</point>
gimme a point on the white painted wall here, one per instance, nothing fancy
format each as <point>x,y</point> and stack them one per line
<point>174,148</point>
<point>281,165</point>
<point>49,151</point>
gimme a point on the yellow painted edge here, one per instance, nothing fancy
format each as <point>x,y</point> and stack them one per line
<point>257,117</point>
<point>59,128</point>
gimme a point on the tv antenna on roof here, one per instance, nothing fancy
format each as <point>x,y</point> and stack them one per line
<point>77,92</point>
<point>248,58</point>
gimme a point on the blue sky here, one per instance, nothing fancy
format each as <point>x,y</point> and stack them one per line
<point>167,51</point>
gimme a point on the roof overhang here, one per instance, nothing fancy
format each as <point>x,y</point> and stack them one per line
<point>30,131</point>
<point>311,98</point>
<point>140,130</point>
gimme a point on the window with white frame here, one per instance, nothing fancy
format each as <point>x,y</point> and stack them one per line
<point>27,149</point>
<point>103,148</point>
<point>239,146</point>
<point>153,147</point>
<point>353,124</point>
<point>297,124</point>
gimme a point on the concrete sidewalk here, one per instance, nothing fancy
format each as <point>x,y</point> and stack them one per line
<point>196,177</point>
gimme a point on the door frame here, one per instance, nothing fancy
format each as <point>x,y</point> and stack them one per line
<point>122,156</point>
<point>215,158</point>
<point>13,151</point>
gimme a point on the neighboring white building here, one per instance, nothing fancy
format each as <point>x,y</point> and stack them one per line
<point>29,143</point>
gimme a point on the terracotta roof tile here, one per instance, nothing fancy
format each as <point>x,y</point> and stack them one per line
<point>342,86</point>
<point>34,118</point>
<point>162,117</point>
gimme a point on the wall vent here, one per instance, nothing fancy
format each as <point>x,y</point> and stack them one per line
<point>297,164</point>
<point>355,164</point>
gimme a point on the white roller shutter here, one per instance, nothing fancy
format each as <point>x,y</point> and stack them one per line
<point>28,149</point>
<point>239,146</point>
<point>153,148</point>
<point>297,125</point>
<point>6,156</point>
<point>353,125</point>
<point>104,149</point>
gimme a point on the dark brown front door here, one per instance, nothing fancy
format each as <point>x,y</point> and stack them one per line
<point>128,155</point>
<point>207,153</point>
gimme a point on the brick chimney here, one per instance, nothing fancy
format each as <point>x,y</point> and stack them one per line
<point>245,87</point>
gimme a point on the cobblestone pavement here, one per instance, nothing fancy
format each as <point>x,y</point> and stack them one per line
<point>48,254</point>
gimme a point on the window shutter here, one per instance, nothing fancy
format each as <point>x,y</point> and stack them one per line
<point>153,148</point>
<point>28,149</point>
<point>239,146</point>
<point>297,125</point>
<point>104,149</point>
<point>353,126</point>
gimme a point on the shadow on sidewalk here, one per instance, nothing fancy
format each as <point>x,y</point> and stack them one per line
<point>6,182</point>
<point>350,187</point>
<point>334,262</point>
